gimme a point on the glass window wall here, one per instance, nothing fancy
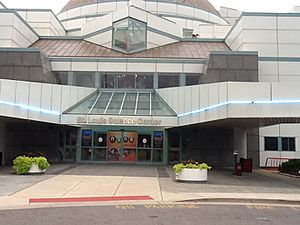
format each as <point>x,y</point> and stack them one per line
<point>129,35</point>
<point>168,80</point>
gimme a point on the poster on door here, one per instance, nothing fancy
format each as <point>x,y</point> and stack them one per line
<point>114,145</point>
<point>129,145</point>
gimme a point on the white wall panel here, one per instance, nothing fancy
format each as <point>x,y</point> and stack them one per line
<point>213,94</point>
<point>61,66</point>
<point>289,68</point>
<point>107,7</point>
<point>6,33</point>
<point>289,50</point>
<point>6,19</point>
<point>260,36</point>
<point>285,91</point>
<point>84,66</point>
<point>136,67</point>
<point>204,93</point>
<point>169,67</point>
<point>289,23</point>
<point>57,98</point>
<point>151,6</point>
<point>258,22</point>
<point>267,68</point>
<point>138,14</point>
<point>166,7</point>
<point>46,96</point>
<point>35,91</point>
<point>89,9</point>
<point>263,49</point>
<point>112,66</point>
<point>289,36</point>
<point>193,68</point>
<point>185,10</point>
<point>248,91</point>
<point>188,99</point>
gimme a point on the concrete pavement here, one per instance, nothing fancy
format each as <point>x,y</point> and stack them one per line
<point>63,181</point>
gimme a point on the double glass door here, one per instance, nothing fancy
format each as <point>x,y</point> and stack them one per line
<point>122,146</point>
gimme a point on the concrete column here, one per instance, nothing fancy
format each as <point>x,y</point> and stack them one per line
<point>165,147</point>
<point>182,79</point>
<point>2,140</point>
<point>71,80</point>
<point>97,80</point>
<point>155,80</point>
<point>240,142</point>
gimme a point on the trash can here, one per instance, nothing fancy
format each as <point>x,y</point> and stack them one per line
<point>246,165</point>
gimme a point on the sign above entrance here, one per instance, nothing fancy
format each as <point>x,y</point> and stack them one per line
<point>118,121</point>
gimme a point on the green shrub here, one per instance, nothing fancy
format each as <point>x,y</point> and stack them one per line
<point>41,162</point>
<point>190,165</point>
<point>22,164</point>
<point>293,165</point>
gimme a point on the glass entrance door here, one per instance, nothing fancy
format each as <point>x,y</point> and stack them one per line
<point>122,145</point>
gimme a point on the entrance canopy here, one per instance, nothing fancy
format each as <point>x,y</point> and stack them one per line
<point>123,103</point>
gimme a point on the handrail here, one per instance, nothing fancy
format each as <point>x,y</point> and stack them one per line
<point>275,161</point>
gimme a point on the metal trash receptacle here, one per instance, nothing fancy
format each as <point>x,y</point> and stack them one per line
<point>246,165</point>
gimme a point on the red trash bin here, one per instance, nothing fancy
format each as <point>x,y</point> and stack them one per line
<point>246,165</point>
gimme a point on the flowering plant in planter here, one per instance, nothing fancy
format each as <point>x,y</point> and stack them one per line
<point>191,171</point>
<point>190,164</point>
<point>23,164</point>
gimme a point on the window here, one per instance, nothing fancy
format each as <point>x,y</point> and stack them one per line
<point>129,35</point>
<point>192,79</point>
<point>84,79</point>
<point>166,80</point>
<point>288,144</point>
<point>280,144</point>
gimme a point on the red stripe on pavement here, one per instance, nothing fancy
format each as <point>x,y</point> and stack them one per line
<point>89,199</point>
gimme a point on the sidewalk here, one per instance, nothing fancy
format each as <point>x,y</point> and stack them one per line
<point>107,180</point>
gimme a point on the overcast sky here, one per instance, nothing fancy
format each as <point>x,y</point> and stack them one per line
<point>243,5</point>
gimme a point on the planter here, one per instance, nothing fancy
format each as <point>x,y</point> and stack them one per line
<point>34,169</point>
<point>197,175</point>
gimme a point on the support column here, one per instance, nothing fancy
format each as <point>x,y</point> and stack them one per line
<point>97,80</point>
<point>182,79</point>
<point>165,147</point>
<point>71,78</point>
<point>2,141</point>
<point>155,80</point>
<point>240,142</point>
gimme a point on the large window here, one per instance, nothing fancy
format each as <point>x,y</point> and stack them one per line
<point>129,35</point>
<point>280,144</point>
<point>168,80</point>
<point>84,79</point>
<point>127,81</point>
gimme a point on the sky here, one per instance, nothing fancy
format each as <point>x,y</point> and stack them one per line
<point>242,5</point>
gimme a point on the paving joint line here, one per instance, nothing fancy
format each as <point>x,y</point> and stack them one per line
<point>74,186</point>
<point>114,194</point>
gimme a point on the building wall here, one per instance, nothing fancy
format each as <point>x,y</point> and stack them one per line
<point>276,37</point>
<point>15,31</point>
<point>44,22</point>
<point>26,65</point>
<point>2,141</point>
<point>75,18</point>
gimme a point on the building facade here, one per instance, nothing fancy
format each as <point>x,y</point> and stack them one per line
<point>149,82</point>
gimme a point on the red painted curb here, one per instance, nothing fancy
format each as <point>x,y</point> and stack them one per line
<point>89,199</point>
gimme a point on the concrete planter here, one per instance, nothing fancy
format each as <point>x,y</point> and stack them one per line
<point>195,175</point>
<point>35,169</point>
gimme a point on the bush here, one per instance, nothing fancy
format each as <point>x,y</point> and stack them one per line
<point>190,164</point>
<point>22,164</point>
<point>293,165</point>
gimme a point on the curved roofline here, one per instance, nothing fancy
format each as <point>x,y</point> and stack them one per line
<point>72,4</point>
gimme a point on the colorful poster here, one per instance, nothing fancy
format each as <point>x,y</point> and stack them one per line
<point>157,139</point>
<point>129,145</point>
<point>114,145</point>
